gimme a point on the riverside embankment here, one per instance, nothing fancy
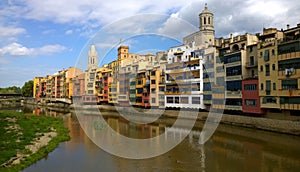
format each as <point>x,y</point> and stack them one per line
<point>287,126</point>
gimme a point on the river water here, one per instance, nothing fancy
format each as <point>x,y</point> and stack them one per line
<point>229,149</point>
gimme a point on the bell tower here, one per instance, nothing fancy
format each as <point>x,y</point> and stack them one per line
<point>207,25</point>
<point>92,58</point>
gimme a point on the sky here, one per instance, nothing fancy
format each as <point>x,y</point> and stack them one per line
<point>39,38</point>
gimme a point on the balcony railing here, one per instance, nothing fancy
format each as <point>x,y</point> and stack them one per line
<point>288,93</point>
<point>234,94</point>
<point>233,107</point>
<point>251,64</point>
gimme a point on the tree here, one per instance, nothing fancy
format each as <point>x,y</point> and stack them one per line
<point>27,89</point>
<point>10,90</point>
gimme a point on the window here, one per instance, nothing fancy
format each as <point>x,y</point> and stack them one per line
<point>153,90</point>
<point>267,70</point>
<point>234,85</point>
<point>261,86</point>
<point>260,54</point>
<point>152,81</point>
<point>220,69</point>
<point>261,68</point>
<point>177,100</point>
<point>161,88</point>
<point>139,90</point>
<point>195,100</point>
<point>184,100</point>
<point>266,56</point>
<point>291,84</point>
<point>90,92</point>
<point>232,58</point>
<point>206,87</point>
<point>220,81</point>
<point>273,67</point>
<point>138,100</point>
<point>207,97</point>
<point>153,100</point>
<point>170,100</point>
<point>268,87</point>
<point>250,102</point>
<point>288,64</point>
<point>269,100</point>
<point>234,102</point>
<point>289,100</point>
<point>233,71</point>
<point>252,60</point>
<point>273,52</point>
<point>248,87</point>
<point>152,73</point>
<point>274,86</point>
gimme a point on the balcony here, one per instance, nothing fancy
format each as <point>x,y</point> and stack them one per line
<point>290,106</point>
<point>122,97</point>
<point>233,94</point>
<point>288,56</point>
<point>288,93</point>
<point>232,78</point>
<point>250,77</point>
<point>283,74</point>
<point>232,107</point>
<point>270,105</point>
<point>251,64</point>
<point>208,102</point>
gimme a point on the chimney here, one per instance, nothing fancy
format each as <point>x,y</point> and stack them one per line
<point>298,25</point>
<point>287,26</point>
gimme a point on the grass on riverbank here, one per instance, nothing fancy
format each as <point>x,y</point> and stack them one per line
<point>18,130</point>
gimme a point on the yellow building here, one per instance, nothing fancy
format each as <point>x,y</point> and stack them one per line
<point>268,68</point>
<point>288,83</point>
<point>113,86</point>
<point>71,73</point>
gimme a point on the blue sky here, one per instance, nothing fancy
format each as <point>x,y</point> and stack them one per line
<point>38,38</point>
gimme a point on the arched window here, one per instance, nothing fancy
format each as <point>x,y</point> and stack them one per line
<point>235,47</point>
<point>204,20</point>
<point>208,20</point>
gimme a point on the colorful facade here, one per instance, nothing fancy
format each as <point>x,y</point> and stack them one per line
<point>289,71</point>
<point>253,74</point>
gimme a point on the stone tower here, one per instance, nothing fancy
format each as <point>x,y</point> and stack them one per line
<point>207,25</point>
<point>92,58</point>
<point>123,52</point>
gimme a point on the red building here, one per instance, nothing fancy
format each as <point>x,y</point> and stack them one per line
<point>250,100</point>
<point>78,87</point>
<point>146,95</point>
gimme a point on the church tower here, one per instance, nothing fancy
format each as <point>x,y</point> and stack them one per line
<point>92,58</point>
<point>207,25</point>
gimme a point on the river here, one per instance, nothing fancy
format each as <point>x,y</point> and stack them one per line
<point>229,149</point>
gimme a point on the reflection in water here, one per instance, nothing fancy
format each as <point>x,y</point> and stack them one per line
<point>229,149</point>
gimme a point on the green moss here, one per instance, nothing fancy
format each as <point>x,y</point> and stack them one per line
<point>29,125</point>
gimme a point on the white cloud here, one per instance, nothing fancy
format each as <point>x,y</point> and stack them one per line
<point>230,16</point>
<point>48,31</point>
<point>16,49</point>
<point>69,32</point>
<point>11,31</point>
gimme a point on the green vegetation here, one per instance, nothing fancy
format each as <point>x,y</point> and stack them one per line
<point>11,90</point>
<point>19,130</point>
<point>27,89</point>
